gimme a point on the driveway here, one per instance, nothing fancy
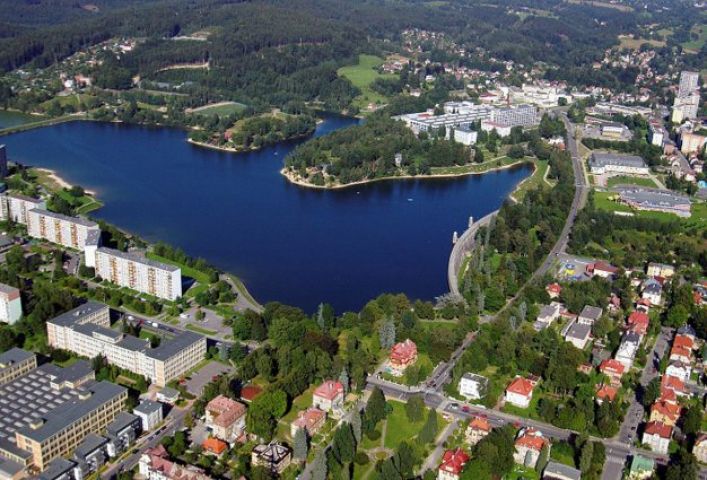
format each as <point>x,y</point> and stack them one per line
<point>195,385</point>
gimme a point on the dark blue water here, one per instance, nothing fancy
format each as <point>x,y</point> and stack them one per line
<point>288,243</point>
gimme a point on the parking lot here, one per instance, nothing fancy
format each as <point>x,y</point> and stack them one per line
<point>571,267</point>
<point>195,385</point>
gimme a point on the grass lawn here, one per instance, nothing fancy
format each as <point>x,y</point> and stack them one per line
<point>196,289</point>
<point>537,179</point>
<point>401,429</point>
<point>630,43</point>
<point>362,76</point>
<point>698,219</point>
<point>221,109</point>
<point>519,472</point>
<point>66,100</point>
<point>695,45</point>
<point>201,330</point>
<point>475,167</point>
<point>187,271</point>
<point>530,412</point>
<point>630,180</point>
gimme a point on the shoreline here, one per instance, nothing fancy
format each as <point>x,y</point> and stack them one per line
<point>290,177</point>
<point>59,180</point>
<point>245,150</point>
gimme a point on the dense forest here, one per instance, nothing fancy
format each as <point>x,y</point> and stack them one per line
<point>368,151</point>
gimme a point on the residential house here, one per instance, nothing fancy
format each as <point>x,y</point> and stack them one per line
<point>155,465</point>
<point>478,429</point>
<point>311,420</point>
<point>628,348</point>
<point>653,292</point>
<point>553,290</point>
<point>168,395</point>
<point>529,443</point>
<point>687,331</point>
<point>664,412</point>
<point>660,270</point>
<point>657,436</point>
<point>606,392</point>
<point>684,341</point>
<point>680,354</point>
<point>150,414</point>
<point>329,396</point>
<point>402,355</point>
<point>520,392</point>
<point>638,322</point>
<point>613,369</point>
<point>549,313</point>
<point>641,468</point>
<point>226,418</point>
<point>214,446</point>
<point>472,386</point>
<point>273,456</point>
<point>589,315</point>
<point>602,269</point>
<point>671,388</point>
<point>578,335</point>
<point>700,448</point>
<point>452,464</point>
<point>559,471</point>
<point>679,369</point>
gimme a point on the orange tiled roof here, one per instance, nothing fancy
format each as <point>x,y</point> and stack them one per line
<point>683,341</point>
<point>521,386</point>
<point>480,423</point>
<point>660,429</point>
<point>668,410</point>
<point>607,392</point>
<point>531,439</point>
<point>214,445</point>
<point>329,390</point>
<point>612,367</point>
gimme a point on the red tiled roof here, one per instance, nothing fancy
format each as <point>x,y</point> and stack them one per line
<point>454,461</point>
<point>660,429</point>
<point>638,317</point>
<point>521,386</point>
<point>225,410</point>
<point>607,392</point>
<point>672,383</point>
<point>554,287</point>
<point>480,423</point>
<point>683,341</point>
<point>612,367</point>
<point>403,352</point>
<point>531,439</point>
<point>329,390</point>
<point>679,351</point>
<point>669,410</point>
<point>309,418</point>
<point>605,267</point>
<point>214,445</point>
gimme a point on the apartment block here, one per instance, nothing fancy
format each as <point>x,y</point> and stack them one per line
<point>47,412</point>
<point>10,304</point>
<point>135,271</point>
<point>16,207</point>
<point>519,115</point>
<point>86,331</point>
<point>67,231</point>
<point>14,363</point>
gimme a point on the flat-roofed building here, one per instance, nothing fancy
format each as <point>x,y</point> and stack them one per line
<point>70,232</point>
<point>135,271</point>
<point>429,122</point>
<point>10,304</point>
<point>86,331</point>
<point>653,199</point>
<point>601,163</point>
<point>16,207</point>
<point>47,412</point>
<point>515,116</point>
<point>15,363</point>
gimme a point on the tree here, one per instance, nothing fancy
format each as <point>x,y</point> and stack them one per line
<point>677,316</point>
<point>319,466</point>
<point>356,425</point>
<point>344,445</point>
<point>386,334</point>
<point>344,379</point>
<point>478,155</point>
<point>415,408</point>
<point>429,430</point>
<point>651,392</point>
<point>300,447</point>
<point>543,458</point>
<point>691,420</point>
<point>376,406</point>
<point>585,457</point>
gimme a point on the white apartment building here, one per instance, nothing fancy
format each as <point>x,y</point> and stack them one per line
<point>543,94</point>
<point>601,163</point>
<point>134,271</point>
<point>689,82</point>
<point>10,304</point>
<point>517,115</point>
<point>86,331</point>
<point>70,232</point>
<point>465,136</point>
<point>16,207</point>
<point>473,386</point>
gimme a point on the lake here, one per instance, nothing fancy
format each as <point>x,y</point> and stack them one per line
<point>296,245</point>
<point>12,119</point>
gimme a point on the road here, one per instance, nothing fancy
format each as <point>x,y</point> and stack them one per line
<point>636,412</point>
<point>173,422</point>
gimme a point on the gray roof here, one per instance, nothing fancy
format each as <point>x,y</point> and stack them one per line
<point>122,421</point>
<point>591,312</point>
<point>91,328</point>
<point>579,331</point>
<point>147,407</point>
<point>171,348</point>
<point>76,371</point>
<point>169,392</point>
<point>66,218</point>
<point>56,468</point>
<point>8,289</point>
<point>652,197</point>
<point>554,469</point>
<point>632,337</point>
<point>14,355</point>
<point>73,316</point>
<point>475,377</point>
<point>93,238</point>
<point>137,257</point>
<point>547,311</point>
<point>134,343</point>
<point>25,198</point>
<point>13,449</point>
<point>9,469</point>
<point>89,444</point>
<point>600,159</point>
<point>58,419</point>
